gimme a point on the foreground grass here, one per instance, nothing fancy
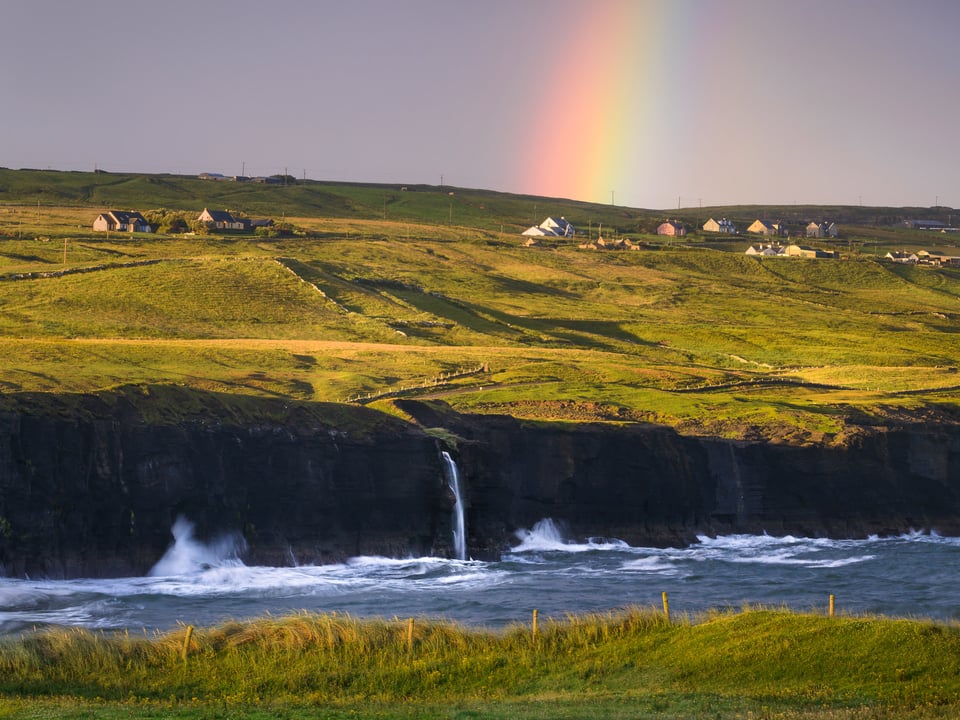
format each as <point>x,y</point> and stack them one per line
<point>759,663</point>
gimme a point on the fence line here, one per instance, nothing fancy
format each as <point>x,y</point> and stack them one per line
<point>440,380</point>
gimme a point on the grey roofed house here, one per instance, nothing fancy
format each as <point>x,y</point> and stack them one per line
<point>223,220</point>
<point>215,216</point>
<point>925,224</point>
<point>766,227</point>
<point>552,227</point>
<point>723,226</point>
<point>823,229</point>
<point>121,221</point>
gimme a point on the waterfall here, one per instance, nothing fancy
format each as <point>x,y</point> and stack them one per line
<point>459,521</point>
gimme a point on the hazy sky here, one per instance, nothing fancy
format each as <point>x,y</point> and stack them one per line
<point>641,102</point>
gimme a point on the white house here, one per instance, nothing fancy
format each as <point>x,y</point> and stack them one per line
<point>901,256</point>
<point>551,227</point>
<point>121,221</point>
<point>222,220</point>
<point>767,250</point>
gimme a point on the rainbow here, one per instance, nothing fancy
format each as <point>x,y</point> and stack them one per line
<point>606,117</point>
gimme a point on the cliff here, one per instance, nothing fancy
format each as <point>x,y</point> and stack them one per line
<point>649,485</point>
<point>95,490</point>
<point>92,488</point>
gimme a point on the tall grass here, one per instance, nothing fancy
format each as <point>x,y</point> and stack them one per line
<point>755,658</point>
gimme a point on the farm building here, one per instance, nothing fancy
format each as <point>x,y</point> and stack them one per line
<point>925,224</point>
<point>121,221</point>
<point>902,256</point>
<point>804,251</point>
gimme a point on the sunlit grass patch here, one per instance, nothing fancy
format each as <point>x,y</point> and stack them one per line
<point>765,662</point>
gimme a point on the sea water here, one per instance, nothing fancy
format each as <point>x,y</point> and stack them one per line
<point>913,575</point>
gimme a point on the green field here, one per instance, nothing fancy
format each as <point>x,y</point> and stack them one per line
<point>690,333</point>
<point>756,663</point>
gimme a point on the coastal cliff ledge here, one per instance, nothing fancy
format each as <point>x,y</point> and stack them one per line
<point>92,485</point>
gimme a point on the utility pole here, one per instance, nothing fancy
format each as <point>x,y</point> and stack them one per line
<point>611,198</point>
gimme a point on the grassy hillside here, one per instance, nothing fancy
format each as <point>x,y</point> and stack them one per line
<point>443,205</point>
<point>690,333</point>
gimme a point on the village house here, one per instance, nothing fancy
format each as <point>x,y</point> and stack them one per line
<point>121,221</point>
<point>820,230</point>
<point>766,227</point>
<point>723,226</point>
<point>222,220</point>
<point>768,250</point>
<point>551,227</point>
<point>671,228</point>
<point>902,256</point>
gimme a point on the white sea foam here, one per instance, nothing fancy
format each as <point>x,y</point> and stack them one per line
<point>545,570</point>
<point>547,536</point>
<point>189,555</point>
<point>651,564</point>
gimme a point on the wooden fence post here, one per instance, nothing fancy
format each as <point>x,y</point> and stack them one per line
<point>186,642</point>
<point>666,605</point>
<point>410,635</point>
<point>534,622</point>
<point>831,605</point>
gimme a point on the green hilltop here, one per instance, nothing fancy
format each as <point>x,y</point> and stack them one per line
<point>384,291</point>
<point>486,209</point>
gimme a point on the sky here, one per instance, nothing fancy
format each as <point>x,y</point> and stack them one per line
<point>642,103</point>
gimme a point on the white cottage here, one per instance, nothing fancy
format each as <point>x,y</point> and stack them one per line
<point>121,221</point>
<point>551,227</point>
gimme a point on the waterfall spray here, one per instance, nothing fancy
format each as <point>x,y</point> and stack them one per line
<point>459,521</point>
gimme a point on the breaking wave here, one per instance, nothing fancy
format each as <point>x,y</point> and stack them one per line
<point>205,583</point>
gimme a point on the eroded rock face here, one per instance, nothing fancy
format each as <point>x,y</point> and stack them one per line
<point>648,485</point>
<point>96,493</point>
<point>98,497</point>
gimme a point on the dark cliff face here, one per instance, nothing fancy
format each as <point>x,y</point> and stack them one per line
<point>96,493</point>
<point>648,485</point>
<point>98,497</point>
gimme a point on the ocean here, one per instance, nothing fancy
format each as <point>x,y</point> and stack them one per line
<point>913,575</point>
